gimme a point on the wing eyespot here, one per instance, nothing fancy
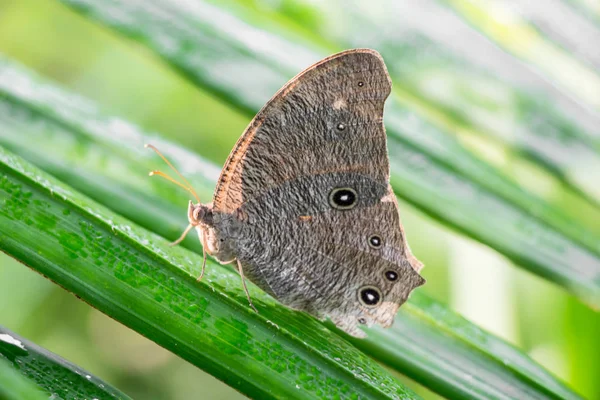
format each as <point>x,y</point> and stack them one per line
<point>375,241</point>
<point>369,296</point>
<point>391,275</point>
<point>343,198</point>
<point>361,84</point>
<point>341,126</point>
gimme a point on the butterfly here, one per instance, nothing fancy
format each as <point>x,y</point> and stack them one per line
<point>303,205</point>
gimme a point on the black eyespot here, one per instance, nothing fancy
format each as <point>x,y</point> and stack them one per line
<point>391,275</point>
<point>362,321</point>
<point>341,127</point>
<point>343,198</point>
<point>375,241</point>
<point>369,296</point>
<point>361,83</point>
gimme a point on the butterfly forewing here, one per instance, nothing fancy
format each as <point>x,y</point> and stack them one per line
<point>327,119</point>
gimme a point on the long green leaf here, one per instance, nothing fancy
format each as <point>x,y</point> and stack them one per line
<point>588,9</point>
<point>135,278</point>
<point>470,363</point>
<point>70,139</point>
<point>579,35</point>
<point>430,169</point>
<point>514,32</point>
<point>14,386</point>
<point>55,375</point>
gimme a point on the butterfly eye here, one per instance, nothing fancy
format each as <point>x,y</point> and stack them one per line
<point>375,241</point>
<point>369,296</point>
<point>391,275</point>
<point>196,214</point>
<point>343,198</point>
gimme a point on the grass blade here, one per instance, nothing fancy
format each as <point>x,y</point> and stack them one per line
<point>14,386</point>
<point>55,375</point>
<point>516,34</point>
<point>470,363</point>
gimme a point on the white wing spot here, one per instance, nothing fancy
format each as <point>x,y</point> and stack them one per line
<point>339,103</point>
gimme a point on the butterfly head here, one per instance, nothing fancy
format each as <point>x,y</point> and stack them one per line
<point>199,214</point>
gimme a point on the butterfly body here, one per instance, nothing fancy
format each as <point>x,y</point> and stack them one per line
<point>304,203</point>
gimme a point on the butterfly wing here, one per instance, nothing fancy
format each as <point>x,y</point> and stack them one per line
<point>329,118</point>
<point>309,183</point>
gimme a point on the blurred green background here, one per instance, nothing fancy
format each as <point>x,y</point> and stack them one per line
<point>544,320</point>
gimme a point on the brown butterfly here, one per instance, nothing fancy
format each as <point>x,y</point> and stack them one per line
<point>304,205</point>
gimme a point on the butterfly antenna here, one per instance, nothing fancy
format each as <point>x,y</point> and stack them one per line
<point>189,187</point>
<point>167,177</point>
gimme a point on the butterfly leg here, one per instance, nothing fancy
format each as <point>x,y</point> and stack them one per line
<point>203,259</point>
<point>183,235</point>
<point>241,271</point>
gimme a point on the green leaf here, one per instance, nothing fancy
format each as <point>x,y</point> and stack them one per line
<point>55,375</point>
<point>455,358</point>
<point>135,278</point>
<point>102,156</point>
<point>427,165</point>
<point>588,9</point>
<point>14,386</point>
<point>517,33</point>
